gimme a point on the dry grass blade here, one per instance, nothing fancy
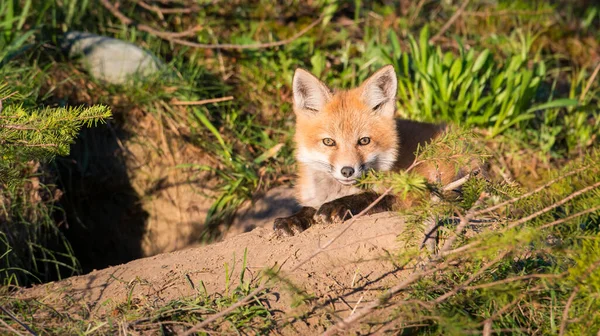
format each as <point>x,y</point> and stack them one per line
<point>202,102</point>
<point>589,83</point>
<point>508,12</point>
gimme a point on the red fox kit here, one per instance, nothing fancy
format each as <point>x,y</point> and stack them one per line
<point>341,135</point>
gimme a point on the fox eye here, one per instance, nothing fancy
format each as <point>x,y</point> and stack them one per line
<point>364,141</point>
<point>329,142</point>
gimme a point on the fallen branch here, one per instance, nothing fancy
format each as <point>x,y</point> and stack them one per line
<point>449,23</point>
<point>516,199</point>
<point>142,27</point>
<point>175,37</point>
<point>553,206</point>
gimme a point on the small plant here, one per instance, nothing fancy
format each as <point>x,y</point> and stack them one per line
<point>466,89</point>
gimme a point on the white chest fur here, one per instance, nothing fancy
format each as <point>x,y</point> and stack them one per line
<point>320,187</point>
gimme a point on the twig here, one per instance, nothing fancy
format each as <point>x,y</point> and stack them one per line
<point>487,328</point>
<point>525,219</point>
<point>26,144</point>
<point>464,221</point>
<point>417,11</point>
<point>128,21</point>
<point>504,309</point>
<point>14,318</point>
<point>565,314</point>
<point>262,287</point>
<point>389,293</point>
<point>152,8</point>
<point>174,37</point>
<point>202,102</point>
<point>514,279</point>
<point>516,199</point>
<point>553,206</point>
<point>3,98</point>
<point>19,127</point>
<point>10,328</point>
<point>161,11</point>
<point>356,305</point>
<point>562,220</point>
<point>589,83</point>
<point>449,22</point>
<point>457,183</point>
<point>471,278</point>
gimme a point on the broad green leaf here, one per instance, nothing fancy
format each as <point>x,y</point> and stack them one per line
<point>456,68</point>
<point>480,61</point>
<point>396,48</point>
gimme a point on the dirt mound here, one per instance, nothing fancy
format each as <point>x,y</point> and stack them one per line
<point>338,276</point>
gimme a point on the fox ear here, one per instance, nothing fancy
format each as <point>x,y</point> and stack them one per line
<point>310,94</point>
<point>379,91</point>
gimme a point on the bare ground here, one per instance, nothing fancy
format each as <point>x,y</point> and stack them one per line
<point>341,277</point>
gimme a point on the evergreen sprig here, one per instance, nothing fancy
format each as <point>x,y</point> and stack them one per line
<point>40,135</point>
<point>32,248</point>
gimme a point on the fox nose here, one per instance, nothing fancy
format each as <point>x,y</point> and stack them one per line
<point>347,171</point>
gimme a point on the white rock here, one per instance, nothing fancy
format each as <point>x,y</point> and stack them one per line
<point>109,59</point>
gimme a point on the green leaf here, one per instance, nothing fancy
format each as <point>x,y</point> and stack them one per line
<point>456,69</point>
<point>424,43</point>
<point>396,48</point>
<point>480,61</point>
<point>565,102</point>
<point>204,120</point>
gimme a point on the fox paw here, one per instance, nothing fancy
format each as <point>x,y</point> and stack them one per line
<point>291,226</point>
<point>333,212</point>
<point>287,227</point>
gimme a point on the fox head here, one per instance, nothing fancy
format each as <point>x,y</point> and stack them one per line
<point>345,133</point>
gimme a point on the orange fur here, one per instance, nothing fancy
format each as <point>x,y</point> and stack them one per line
<point>340,136</point>
<point>346,117</point>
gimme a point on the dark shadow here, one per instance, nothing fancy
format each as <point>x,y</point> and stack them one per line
<point>105,220</point>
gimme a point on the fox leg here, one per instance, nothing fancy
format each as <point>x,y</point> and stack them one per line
<point>345,207</point>
<point>296,223</point>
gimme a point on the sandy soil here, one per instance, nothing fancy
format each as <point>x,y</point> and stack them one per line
<point>337,277</point>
